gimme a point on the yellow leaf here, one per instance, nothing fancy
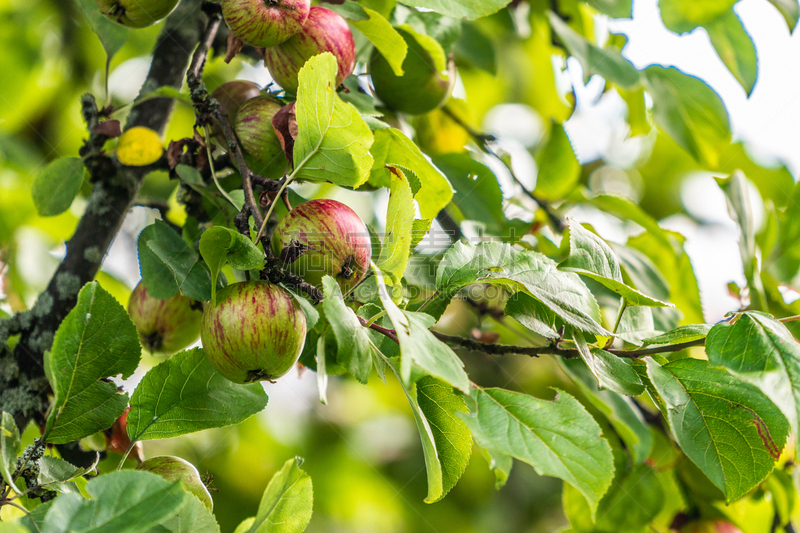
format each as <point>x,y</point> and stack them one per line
<point>139,146</point>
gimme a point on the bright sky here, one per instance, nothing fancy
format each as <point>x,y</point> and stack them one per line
<point>768,121</point>
<point>770,118</point>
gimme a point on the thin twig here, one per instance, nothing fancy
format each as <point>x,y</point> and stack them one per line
<point>205,107</point>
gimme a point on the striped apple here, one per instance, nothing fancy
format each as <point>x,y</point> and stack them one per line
<point>164,326</point>
<point>333,241</point>
<point>324,31</point>
<point>254,332</point>
<point>265,23</point>
<point>253,126</point>
<point>232,95</point>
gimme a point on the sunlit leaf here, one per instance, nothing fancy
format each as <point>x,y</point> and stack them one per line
<point>726,426</point>
<point>333,141</point>
<point>57,185</point>
<point>558,438</point>
<point>354,350</point>
<point>762,351</point>
<point>287,502</point>
<point>590,256</point>
<point>690,112</point>
<point>95,341</point>
<point>185,394</point>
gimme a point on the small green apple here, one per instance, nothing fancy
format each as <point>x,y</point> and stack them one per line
<point>165,326</point>
<point>422,88</point>
<point>176,469</point>
<point>136,13</point>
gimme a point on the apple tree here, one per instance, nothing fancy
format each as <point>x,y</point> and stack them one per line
<point>472,259</point>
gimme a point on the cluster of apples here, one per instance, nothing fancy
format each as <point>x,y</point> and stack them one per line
<point>291,31</point>
<point>256,330</point>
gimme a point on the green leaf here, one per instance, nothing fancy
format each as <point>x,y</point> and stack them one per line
<point>393,148</point>
<point>349,10</point>
<point>57,185</point>
<point>557,438</point>
<point>185,394</point>
<point>676,267</point>
<point>220,244</point>
<point>475,49</point>
<point>470,9</point>
<point>96,340</point>
<point>189,175</point>
<point>612,372</point>
<point>333,141</point>
<point>559,169</point>
<point>680,16</point>
<point>169,266</point>
<point>125,501</point>
<point>386,39</point>
<point>635,499</point>
<point>607,62</point>
<point>617,9</point>
<point>9,448</point>
<point>728,36</point>
<point>451,440</point>
<point>620,411</point>
<point>192,517</point>
<point>726,426</point>
<point>735,48</point>
<point>287,502</point>
<point>165,91</point>
<point>562,292</point>
<point>419,347</point>
<point>737,195</point>
<point>57,474</point>
<point>500,464</point>
<point>679,335</point>
<point>763,352</point>
<point>637,111</point>
<point>419,228</point>
<point>590,256</point>
<point>11,527</point>
<point>690,112</point>
<point>532,314</point>
<point>354,350</point>
<point>396,248</point>
<point>112,36</point>
<point>245,525</point>
<point>789,9</point>
<point>478,195</point>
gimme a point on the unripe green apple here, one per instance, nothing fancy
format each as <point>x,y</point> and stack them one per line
<point>265,23</point>
<point>176,469</point>
<point>164,326</point>
<point>420,89</point>
<point>710,526</point>
<point>253,126</point>
<point>136,13</point>
<point>232,95</point>
<point>334,240</point>
<point>256,331</point>
<point>324,31</point>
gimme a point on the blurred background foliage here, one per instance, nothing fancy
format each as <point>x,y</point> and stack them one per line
<point>362,450</point>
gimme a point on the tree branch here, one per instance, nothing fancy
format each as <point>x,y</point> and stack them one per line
<point>207,107</point>
<point>23,384</point>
